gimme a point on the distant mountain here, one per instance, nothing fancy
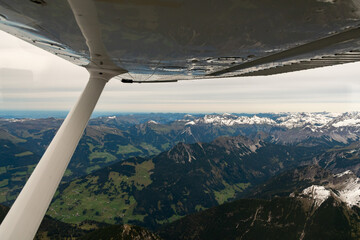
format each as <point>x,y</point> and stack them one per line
<point>290,128</point>
<point>327,211</point>
<point>183,180</point>
<point>123,121</point>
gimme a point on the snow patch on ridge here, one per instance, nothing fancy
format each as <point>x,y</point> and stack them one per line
<point>348,190</point>
<point>318,193</point>
<point>18,120</point>
<point>348,172</point>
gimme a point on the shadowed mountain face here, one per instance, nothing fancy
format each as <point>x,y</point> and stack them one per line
<point>304,210</point>
<point>279,218</point>
<point>341,159</point>
<point>292,181</point>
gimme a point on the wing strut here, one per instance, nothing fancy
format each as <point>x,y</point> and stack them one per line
<point>27,212</point>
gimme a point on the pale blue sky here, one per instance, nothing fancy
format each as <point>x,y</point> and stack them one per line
<point>33,79</point>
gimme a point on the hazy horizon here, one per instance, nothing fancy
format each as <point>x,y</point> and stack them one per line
<point>36,114</point>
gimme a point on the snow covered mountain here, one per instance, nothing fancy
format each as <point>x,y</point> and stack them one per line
<point>288,127</point>
<point>231,120</point>
<point>344,187</point>
<point>316,121</point>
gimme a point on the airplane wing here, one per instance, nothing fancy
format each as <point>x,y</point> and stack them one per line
<point>170,40</point>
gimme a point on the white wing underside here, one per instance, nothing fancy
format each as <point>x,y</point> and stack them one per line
<point>166,41</point>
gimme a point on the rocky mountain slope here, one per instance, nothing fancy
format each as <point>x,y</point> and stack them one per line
<point>340,159</point>
<point>279,218</point>
<point>308,212</point>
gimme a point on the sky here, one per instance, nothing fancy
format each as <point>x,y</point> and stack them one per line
<point>33,79</point>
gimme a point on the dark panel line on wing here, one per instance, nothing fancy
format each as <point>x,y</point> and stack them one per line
<point>296,51</point>
<point>134,81</point>
<point>337,59</point>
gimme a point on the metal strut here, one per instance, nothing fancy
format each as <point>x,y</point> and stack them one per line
<point>27,212</point>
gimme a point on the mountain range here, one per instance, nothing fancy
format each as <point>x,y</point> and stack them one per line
<point>153,170</point>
